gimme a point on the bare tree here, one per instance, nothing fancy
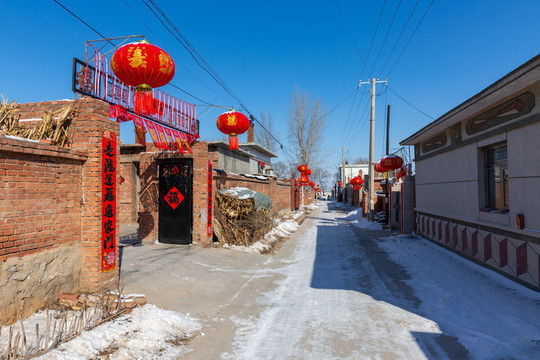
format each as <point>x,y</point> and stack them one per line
<point>306,121</point>
<point>281,170</point>
<point>262,136</point>
<point>360,160</point>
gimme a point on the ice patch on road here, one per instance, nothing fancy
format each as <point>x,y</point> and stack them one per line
<point>356,219</point>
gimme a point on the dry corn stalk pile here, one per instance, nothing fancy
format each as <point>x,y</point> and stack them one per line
<point>237,223</point>
<point>57,130</point>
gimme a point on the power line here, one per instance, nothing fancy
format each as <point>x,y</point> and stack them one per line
<point>408,41</point>
<point>400,35</point>
<point>385,37</point>
<point>103,37</point>
<point>411,105</point>
<point>349,32</point>
<point>373,39</point>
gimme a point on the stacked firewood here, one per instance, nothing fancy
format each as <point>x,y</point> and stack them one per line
<point>236,222</point>
<point>55,125</point>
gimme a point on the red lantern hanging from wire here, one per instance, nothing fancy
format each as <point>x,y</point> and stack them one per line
<point>340,184</point>
<point>311,184</point>
<point>308,172</point>
<point>233,123</point>
<point>144,66</point>
<point>302,168</point>
<point>391,162</point>
<point>379,168</point>
<point>357,182</point>
<point>303,180</point>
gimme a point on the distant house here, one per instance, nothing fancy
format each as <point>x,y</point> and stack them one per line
<point>251,158</point>
<point>478,176</point>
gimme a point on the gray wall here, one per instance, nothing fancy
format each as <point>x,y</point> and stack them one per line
<point>232,162</point>
<point>452,183</point>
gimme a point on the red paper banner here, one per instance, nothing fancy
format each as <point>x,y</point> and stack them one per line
<point>186,144</point>
<point>162,137</point>
<point>153,133</point>
<point>170,138</point>
<point>178,139</point>
<point>108,201</point>
<point>210,180</point>
<point>140,131</point>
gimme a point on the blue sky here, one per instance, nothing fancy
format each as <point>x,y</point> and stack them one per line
<point>263,50</point>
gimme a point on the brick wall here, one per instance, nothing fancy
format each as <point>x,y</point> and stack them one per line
<point>40,193</point>
<point>279,191</point>
<point>86,130</point>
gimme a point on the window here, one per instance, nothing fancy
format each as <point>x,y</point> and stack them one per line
<point>497,178</point>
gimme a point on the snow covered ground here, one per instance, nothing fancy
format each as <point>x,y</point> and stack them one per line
<point>493,317</point>
<point>146,333</point>
<point>355,294</point>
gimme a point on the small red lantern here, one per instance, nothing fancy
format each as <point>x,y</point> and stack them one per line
<point>233,123</point>
<point>391,162</point>
<point>303,180</point>
<point>356,182</point>
<point>312,184</point>
<point>379,168</point>
<point>340,184</point>
<point>302,168</point>
<point>308,172</point>
<point>144,66</point>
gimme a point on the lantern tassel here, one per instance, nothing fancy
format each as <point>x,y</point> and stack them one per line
<point>144,100</point>
<point>233,142</point>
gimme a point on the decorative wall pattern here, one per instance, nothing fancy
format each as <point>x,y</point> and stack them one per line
<point>517,258</point>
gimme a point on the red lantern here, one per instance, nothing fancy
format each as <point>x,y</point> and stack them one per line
<point>379,168</point>
<point>303,180</point>
<point>233,123</point>
<point>308,172</point>
<point>144,66</point>
<point>312,184</point>
<point>302,168</point>
<point>340,184</point>
<point>391,162</point>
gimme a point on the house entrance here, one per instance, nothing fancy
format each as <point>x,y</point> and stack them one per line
<point>176,202</point>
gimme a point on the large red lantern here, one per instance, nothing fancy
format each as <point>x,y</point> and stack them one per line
<point>303,180</point>
<point>308,172</point>
<point>233,123</point>
<point>144,66</point>
<point>391,162</point>
<point>302,168</point>
<point>379,168</point>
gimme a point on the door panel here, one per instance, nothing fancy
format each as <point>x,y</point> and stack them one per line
<point>175,201</point>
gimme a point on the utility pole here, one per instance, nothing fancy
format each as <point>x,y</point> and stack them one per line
<point>387,187</point>
<point>371,173</point>
<point>342,169</point>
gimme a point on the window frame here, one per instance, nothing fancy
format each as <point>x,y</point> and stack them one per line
<point>496,195</point>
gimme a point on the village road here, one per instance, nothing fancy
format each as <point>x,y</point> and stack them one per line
<point>328,293</point>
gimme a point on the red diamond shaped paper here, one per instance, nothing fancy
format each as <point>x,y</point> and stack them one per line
<point>174,197</point>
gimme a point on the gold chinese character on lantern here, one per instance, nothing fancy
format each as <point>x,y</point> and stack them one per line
<point>231,120</point>
<point>137,58</point>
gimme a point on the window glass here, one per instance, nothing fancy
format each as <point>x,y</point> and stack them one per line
<point>497,197</point>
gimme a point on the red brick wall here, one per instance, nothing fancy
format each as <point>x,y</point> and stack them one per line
<point>40,193</point>
<point>127,193</point>
<point>86,130</point>
<point>278,191</point>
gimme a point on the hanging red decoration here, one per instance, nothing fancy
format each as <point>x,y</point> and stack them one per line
<point>312,184</point>
<point>379,168</point>
<point>391,162</point>
<point>308,172</point>
<point>144,66</point>
<point>340,184</point>
<point>356,182</point>
<point>302,168</point>
<point>303,180</point>
<point>233,123</point>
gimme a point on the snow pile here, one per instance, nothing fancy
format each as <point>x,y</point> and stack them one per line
<point>146,333</point>
<point>470,301</point>
<point>311,206</point>
<point>260,177</point>
<point>355,217</point>
<point>281,230</point>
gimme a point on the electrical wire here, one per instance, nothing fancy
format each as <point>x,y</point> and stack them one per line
<point>373,39</point>
<point>408,41</point>
<point>399,37</point>
<point>385,37</point>
<point>411,105</point>
<point>349,32</point>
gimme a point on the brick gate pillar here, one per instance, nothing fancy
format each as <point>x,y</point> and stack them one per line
<point>86,132</point>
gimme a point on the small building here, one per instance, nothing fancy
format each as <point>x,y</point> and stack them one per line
<point>477,176</point>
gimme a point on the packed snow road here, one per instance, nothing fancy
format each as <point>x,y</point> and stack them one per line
<point>338,290</point>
